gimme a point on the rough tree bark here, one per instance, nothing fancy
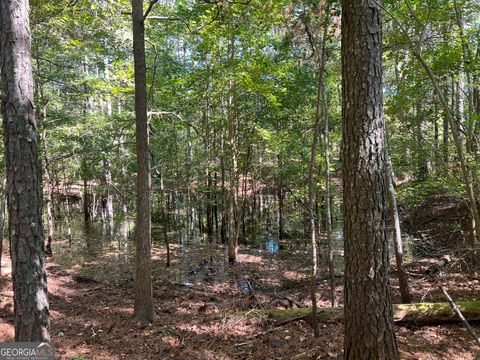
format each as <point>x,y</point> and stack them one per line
<point>23,183</point>
<point>369,329</point>
<point>143,309</point>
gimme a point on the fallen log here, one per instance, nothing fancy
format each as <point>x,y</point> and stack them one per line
<point>416,313</point>
<point>459,313</point>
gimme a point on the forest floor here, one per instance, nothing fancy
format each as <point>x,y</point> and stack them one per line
<point>91,306</point>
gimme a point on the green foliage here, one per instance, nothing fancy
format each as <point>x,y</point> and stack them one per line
<point>82,63</point>
<point>77,357</point>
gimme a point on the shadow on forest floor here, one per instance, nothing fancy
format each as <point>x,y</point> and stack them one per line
<point>91,302</point>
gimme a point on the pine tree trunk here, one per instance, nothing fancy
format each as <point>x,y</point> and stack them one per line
<point>369,329</point>
<point>143,310</point>
<point>29,278</point>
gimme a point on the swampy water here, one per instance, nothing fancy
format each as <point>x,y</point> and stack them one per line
<point>87,251</point>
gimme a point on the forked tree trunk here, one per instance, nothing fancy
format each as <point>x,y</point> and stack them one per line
<point>22,167</point>
<point>143,309</point>
<point>369,329</point>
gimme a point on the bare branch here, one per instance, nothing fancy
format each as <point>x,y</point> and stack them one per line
<point>163,18</point>
<point>150,6</point>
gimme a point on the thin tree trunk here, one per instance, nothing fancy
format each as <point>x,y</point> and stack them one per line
<point>281,206</point>
<point>232,138</point>
<point>436,142</point>
<point>3,203</point>
<point>22,168</point>
<point>466,172</point>
<point>224,209</point>
<point>107,201</point>
<point>468,175</point>
<point>397,233</point>
<point>190,224</point>
<point>422,167</point>
<point>107,164</point>
<point>165,219</point>
<point>445,138</point>
<point>67,212</point>
<point>84,166</point>
<point>49,184</point>
<point>328,205</point>
<point>369,329</point>
<point>143,309</point>
<point>312,172</point>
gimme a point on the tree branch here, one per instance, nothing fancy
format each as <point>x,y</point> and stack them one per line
<point>150,6</point>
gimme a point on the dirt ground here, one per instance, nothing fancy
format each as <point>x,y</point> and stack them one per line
<point>91,303</point>
<point>93,320</point>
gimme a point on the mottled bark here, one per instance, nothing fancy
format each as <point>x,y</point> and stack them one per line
<point>369,329</point>
<point>143,310</point>
<point>29,279</point>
